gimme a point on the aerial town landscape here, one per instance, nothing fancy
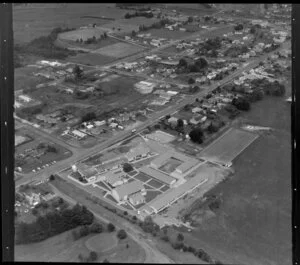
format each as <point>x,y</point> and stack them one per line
<point>153,133</point>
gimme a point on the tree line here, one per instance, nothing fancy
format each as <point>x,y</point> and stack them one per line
<point>53,223</point>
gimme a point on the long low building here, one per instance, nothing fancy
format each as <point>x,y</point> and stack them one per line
<point>168,198</point>
<point>158,175</point>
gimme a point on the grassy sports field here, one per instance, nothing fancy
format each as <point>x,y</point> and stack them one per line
<point>228,146</point>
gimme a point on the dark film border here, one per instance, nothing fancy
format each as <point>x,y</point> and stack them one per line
<point>7,131</point>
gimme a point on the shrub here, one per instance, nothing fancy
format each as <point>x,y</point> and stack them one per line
<point>165,238</point>
<point>96,228</point>
<point>191,80</point>
<point>122,234</point>
<point>180,237</point>
<point>177,245</point>
<point>127,167</point>
<point>111,227</point>
<point>84,231</point>
<point>93,256</point>
<point>196,135</point>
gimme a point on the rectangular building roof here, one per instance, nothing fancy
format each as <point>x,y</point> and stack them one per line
<point>173,194</point>
<point>113,177</point>
<point>158,175</point>
<point>129,188</point>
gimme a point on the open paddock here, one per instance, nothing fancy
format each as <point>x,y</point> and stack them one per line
<point>119,50</point>
<point>91,59</point>
<point>24,78</point>
<point>35,20</point>
<point>228,146</point>
<point>118,27</point>
<point>168,34</point>
<point>83,34</point>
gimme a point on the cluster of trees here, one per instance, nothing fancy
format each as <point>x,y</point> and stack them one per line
<point>212,44</point>
<point>93,39</point>
<point>254,28</point>
<point>196,135</point>
<point>235,51</point>
<point>44,46</point>
<point>274,89</point>
<point>241,104</point>
<point>85,230</point>
<point>194,89</point>
<point>47,147</point>
<point>127,167</point>
<point>195,67</point>
<point>179,245</point>
<point>53,223</point>
<point>156,25</point>
<point>149,226</point>
<point>139,14</point>
<point>93,256</point>
<point>29,112</point>
<point>239,27</point>
<point>88,117</point>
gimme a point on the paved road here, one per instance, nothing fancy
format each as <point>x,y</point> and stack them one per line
<point>85,153</point>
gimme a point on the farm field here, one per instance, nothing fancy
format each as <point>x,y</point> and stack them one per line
<point>228,146</point>
<point>253,223</point>
<point>35,20</point>
<point>24,78</point>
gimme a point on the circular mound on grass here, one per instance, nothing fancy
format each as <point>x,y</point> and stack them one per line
<point>102,242</point>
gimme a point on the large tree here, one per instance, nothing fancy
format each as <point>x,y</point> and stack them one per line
<point>77,72</point>
<point>196,135</point>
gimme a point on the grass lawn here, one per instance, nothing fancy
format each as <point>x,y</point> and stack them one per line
<point>142,177</point>
<point>165,188</point>
<point>91,59</point>
<point>58,248</point>
<point>168,34</point>
<point>151,194</point>
<point>121,254</point>
<point>156,184</point>
<point>102,242</point>
<point>253,224</point>
<point>118,50</point>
